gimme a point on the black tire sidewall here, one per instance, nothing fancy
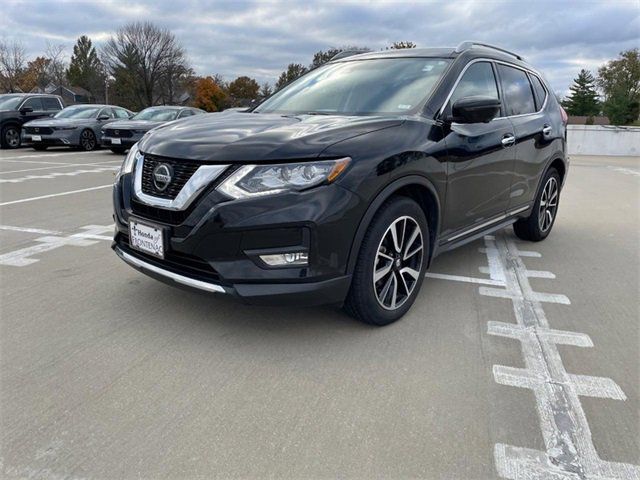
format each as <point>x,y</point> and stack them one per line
<point>95,140</point>
<point>362,296</point>
<point>4,131</point>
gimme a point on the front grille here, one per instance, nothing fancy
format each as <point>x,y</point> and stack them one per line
<point>171,217</point>
<point>117,133</point>
<point>180,263</point>
<point>39,130</point>
<point>182,172</point>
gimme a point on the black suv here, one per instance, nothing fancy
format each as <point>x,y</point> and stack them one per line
<point>343,186</point>
<point>19,108</point>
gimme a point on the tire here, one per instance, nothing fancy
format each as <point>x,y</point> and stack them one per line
<point>88,140</point>
<point>387,299</point>
<point>10,137</point>
<point>40,148</point>
<point>538,225</point>
<point>119,150</point>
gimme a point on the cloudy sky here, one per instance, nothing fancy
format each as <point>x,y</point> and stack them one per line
<point>259,38</point>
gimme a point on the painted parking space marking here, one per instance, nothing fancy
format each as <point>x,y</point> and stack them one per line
<point>458,278</point>
<point>626,171</point>
<point>569,449</point>
<point>41,155</point>
<point>69,165</point>
<point>52,195</point>
<point>39,231</point>
<point>88,235</point>
<point>59,174</point>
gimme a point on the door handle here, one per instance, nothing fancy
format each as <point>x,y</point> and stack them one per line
<point>508,140</point>
<point>546,130</point>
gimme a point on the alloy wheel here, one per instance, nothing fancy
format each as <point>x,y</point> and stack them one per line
<point>548,204</point>
<point>12,137</point>
<point>398,263</point>
<point>88,140</point>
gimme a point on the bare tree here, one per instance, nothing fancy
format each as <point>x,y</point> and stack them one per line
<point>149,60</point>
<point>12,64</point>
<point>57,68</point>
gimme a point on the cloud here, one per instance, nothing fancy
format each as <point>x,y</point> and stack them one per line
<point>259,39</point>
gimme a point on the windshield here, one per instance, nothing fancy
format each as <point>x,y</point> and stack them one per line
<point>10,102</point>
<point>156,114</point>
<point>389,85</point>
<point>77,112</point>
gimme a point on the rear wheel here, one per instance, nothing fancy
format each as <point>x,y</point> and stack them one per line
<point>88,140</point>
<point>118,149</point>
<point>537,226</point>
<point>10,137</point>
<point>391,263</point>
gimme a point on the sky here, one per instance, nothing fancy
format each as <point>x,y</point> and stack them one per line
<point>259,38</point>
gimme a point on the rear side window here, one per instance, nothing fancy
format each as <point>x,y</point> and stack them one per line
<point>121,113</point>
<point>34,103</point>
<point>477,80</point>
<point>186,113</point>
<point>51,103</point>
<point>539,90</point>
<point>517,91</point>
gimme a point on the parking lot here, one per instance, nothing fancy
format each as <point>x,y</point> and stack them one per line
<point>518,360</point>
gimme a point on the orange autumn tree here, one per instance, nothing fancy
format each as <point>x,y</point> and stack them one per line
<point>209,96</point>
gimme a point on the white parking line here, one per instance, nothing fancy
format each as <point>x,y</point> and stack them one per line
<point>41,155</point>
<point>59,174</point>
<point>33,199</point>
<point>458,278</point>
<point>68,165</point>
<point>88,235</point>
<point>29,230</point>
<point>570,452</point>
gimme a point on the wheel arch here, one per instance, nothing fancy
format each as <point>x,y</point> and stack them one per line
<point>418,188</point>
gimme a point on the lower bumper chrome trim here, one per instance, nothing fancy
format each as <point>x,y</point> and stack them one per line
<point>199,284</point>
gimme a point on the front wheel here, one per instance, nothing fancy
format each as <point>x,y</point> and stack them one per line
<point>88,140</point>
<point>537,226</point>
<point>391,263</point>
<point>10,137</point>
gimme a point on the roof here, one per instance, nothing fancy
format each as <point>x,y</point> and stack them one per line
<point>169,107</point>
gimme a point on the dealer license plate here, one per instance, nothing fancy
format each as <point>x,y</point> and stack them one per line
<point>116,141</point>
<point>146,238</point>
<point>36,138</point>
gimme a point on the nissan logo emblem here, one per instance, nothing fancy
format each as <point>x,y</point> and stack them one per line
<point>162,176</point>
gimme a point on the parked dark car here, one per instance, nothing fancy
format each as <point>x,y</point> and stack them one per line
<point>120,136</point>
<point>345,185</point>
<point>76,126</point>
<point>19,108</point>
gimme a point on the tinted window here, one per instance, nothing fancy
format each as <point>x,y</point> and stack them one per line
<point>34,103</point>
<point>77,111</point>
<point>186,113</point>
<point>121,113</point>
<point>392,85</point>
<point>156,114</point>
<point>539,90</point>
<point>51,103</point>
<point>517,91</point>
<point>106,111</point>
<point>477,80</point>
<point>10,102</point>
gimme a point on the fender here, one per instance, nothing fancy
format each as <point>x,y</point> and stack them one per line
<point>374,206</point>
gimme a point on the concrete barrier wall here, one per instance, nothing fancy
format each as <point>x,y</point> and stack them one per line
<point>603,140</point>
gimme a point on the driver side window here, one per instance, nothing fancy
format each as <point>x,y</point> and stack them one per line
<point>479,79</point>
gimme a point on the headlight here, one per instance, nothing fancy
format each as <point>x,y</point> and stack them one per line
<point>64,128</point>
<point>257,180</point>
<point>130,161</point>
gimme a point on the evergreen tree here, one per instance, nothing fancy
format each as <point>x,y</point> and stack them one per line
<point>583,99</point>
<point>86,69</point>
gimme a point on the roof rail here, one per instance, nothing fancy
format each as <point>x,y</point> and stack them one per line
<point>466,45</point>
<point>346,53</point>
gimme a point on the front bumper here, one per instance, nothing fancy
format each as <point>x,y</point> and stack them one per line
<point>214,245</point>
<point>125,142</point>
<point>57,138</point>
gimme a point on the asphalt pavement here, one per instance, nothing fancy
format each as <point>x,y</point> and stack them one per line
<point>518,360</point>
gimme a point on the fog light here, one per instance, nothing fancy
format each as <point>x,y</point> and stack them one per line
<point>286,259</point>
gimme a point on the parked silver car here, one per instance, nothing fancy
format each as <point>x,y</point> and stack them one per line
<point>74,126</point>
<point>120,136</point>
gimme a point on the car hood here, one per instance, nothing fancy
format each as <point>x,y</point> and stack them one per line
<point>60,122</point>
<point>133,125</point>
<point>256,137</point>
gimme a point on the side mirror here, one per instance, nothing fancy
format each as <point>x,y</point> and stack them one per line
<point>25,110</point>
<point>475,109</point>
<point>103,117</point>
